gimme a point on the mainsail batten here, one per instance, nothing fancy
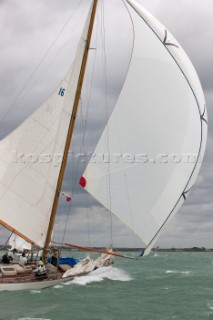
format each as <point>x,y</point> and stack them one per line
<point>30,158</point>
<point>156,128</point>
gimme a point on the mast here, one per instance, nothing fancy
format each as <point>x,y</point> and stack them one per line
<point>70,131</point>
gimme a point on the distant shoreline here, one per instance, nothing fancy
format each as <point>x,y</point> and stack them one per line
<point>122,249</point>
<point>193,249</point>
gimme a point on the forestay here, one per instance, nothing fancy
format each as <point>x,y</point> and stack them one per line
<point>155,136</point>
<point>30,159</point>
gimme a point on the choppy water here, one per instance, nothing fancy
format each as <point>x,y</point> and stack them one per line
<point>158,287</point>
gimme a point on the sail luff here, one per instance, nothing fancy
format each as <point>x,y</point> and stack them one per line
<point>70,130</point>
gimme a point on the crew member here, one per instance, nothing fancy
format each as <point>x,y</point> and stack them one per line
<point>40,271</point>
<point>23,260</point>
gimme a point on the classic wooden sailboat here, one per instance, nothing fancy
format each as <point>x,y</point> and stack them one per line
<point>160,114</point>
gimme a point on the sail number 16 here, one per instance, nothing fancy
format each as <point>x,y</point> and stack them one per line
<point>61,92</point>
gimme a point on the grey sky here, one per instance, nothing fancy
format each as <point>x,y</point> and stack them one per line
<point>27,31</point>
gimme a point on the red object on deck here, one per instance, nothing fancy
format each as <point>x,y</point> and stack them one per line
<point>82,182</point>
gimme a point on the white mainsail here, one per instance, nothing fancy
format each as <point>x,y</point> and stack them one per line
<point>30,158</point>
<point>156,135</point>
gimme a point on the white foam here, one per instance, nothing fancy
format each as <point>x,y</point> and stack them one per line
<point>178,272</point>
<point>35,291</point>
<point>32,319</point>
<point>100,274</point>
<point>58,286</point>
<point>210,306</point>
<point>186,272</point>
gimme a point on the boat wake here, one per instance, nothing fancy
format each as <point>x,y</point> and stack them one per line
<point>101,274</point>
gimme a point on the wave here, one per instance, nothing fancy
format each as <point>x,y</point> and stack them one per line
<point>32,319</point>
<point>58,286</point>
<point>178,272</point>
<point>111,273</point>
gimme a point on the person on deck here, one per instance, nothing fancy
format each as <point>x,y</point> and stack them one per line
<point>23,260</point>
<point>40,271</point>
<point>10,255</point>
<point>54,260</point>
<point>6,258</point>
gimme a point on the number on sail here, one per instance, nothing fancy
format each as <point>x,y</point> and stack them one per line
<point>61,92</point>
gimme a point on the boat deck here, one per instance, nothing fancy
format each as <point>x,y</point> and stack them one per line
<point>14,273</point>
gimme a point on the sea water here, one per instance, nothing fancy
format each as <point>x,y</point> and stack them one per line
<point>162,286</point>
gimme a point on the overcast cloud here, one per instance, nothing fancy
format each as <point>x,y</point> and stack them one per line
<point>28,30</point>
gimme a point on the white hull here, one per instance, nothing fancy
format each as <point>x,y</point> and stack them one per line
<point>31,285</point>
<point>14,282</point>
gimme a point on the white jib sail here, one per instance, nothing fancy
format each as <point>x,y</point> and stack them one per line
<point>18,243</point>
<point>156,135</point>
<point>30,158</point>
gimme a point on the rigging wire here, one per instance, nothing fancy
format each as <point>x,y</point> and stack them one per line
<point>88,224</point>
<point>38,65</point>
<point>49,142</point>
<point>3,228</point>
<point>6,242</point>
<point>104,59</point>
<point>45,146</point>
<point>56,55</point>
<point>121,151</point>
<point>84,126</point>
<point>84,153</point>
<point>124,170</point>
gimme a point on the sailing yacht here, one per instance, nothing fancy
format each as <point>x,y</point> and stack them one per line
<point>160,115</point>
